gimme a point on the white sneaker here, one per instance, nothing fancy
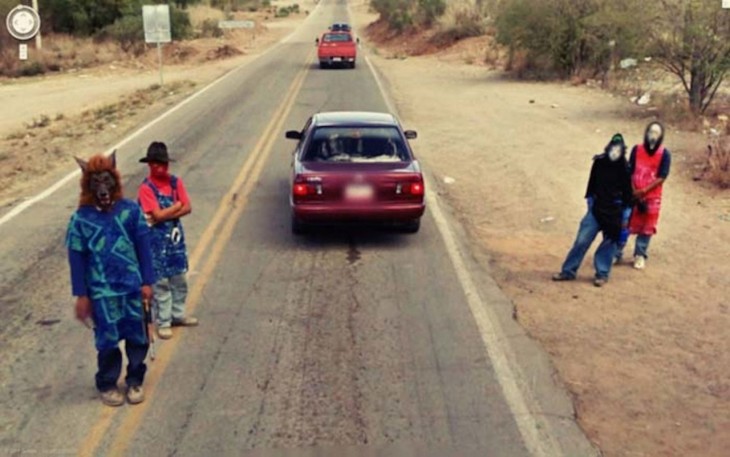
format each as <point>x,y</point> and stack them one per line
<point>639,262</point>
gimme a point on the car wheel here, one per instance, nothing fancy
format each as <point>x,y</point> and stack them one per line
<point>298,227</point>
<point>353,65</point>
<point>412,226</point>
<point>322,65</point>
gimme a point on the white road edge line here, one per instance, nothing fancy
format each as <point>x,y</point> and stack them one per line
<point>27,203</point>
<point>537,435</point>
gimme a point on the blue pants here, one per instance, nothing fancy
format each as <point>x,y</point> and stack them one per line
<point>170,295</point>
<point>109,363</point>
<point>641,247</point>
<point>602,259</point>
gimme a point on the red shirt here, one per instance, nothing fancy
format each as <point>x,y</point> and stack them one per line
<point>147,198</point>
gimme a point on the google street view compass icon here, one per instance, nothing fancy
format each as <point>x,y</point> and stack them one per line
<point>23,22</point>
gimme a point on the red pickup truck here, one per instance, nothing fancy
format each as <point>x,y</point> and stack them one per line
<point>337,48</point>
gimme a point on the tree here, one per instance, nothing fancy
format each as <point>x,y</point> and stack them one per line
<point>693,43</point>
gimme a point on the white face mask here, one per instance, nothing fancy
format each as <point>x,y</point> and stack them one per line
<point>654,134</point>
<point>614,153</point>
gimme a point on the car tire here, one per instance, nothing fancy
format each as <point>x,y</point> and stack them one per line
<point>412,226</point>
<point>353,65</point>
<point>322,65</point>
<point>298,227</point>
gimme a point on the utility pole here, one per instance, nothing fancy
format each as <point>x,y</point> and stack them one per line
<point>38,39</point>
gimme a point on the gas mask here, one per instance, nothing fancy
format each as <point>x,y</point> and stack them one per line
<point>615,153</point>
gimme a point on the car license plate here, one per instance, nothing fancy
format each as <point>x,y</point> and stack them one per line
<point>337,59</point>
<point>359,192</point>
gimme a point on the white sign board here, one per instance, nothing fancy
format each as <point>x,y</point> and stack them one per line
<point>23,51</point>
<point>236,24</point>
<point>23,22</point>
<point>156,20</point>
<point>726,4</point>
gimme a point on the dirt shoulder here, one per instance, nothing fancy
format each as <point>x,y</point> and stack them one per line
<point>647,357</point>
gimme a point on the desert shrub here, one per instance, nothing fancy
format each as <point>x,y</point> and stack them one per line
<point>427,11</point>
<point>209,28</point>
<point>466,23</point>
<point>566,37</point>
<point>128,32</point>
<point>33,68</point>
<point>717,166</point>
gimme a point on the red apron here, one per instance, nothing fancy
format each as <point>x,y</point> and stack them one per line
<point>645,173</point>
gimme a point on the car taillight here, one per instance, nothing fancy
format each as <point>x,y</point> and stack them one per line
<point>300,190</point>
<point>417,188</point>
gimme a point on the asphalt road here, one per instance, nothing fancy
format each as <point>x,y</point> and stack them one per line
<point>347,342</point>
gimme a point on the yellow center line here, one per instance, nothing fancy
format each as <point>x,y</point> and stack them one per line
<point>228,213</point>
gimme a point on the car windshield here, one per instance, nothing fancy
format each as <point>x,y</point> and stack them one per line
<point>356,144</point>
<point>337,38</point>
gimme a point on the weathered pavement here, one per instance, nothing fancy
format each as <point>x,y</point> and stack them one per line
<point>342,343</point>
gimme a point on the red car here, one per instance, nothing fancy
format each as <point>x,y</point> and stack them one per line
<point>337,48</point>
<point>355,167</point>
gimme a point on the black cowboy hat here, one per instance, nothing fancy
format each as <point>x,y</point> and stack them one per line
<point>157,152</point>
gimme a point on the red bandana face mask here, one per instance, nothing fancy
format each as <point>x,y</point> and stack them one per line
<point>159,170</point>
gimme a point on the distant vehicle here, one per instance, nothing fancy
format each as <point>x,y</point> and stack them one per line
<point>355,167</point>
<point>340,27</point>
<point>337,48</point>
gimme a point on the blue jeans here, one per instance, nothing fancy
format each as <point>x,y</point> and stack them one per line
<point>641,247</point>
<point>170,294</point>
<point>602,259</point>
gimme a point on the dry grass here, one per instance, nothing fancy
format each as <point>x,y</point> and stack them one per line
<point>717,166</point>
<point>52,140</point>
<point>59,53</point>
<point>201,13</point>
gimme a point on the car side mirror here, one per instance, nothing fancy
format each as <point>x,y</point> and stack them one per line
<point>293,135</point>
<point>357,40</point>
<point>316,42</point>
<point>411,134</point>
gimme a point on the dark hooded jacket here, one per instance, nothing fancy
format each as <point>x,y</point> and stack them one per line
<point>609,186</point>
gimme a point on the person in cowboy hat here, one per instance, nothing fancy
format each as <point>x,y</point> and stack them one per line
<point>608,194</point>
<point>165,201</point>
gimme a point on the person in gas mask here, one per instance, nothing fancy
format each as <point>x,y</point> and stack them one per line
<point>649,164</point>
<point>609,192</point>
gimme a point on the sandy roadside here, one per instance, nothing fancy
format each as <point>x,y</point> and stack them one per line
<point>647,358</point>
<point>25,99</point>
<point>92,109</point>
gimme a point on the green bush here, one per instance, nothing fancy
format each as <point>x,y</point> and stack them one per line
<point>402,14</point>
<point>128,31</point>
<point>566,37</point>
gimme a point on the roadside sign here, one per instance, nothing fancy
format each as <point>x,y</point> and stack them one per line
<point>236,24</point>
<point>156,20</point>
<point>726,4</point>
<point>23,51</point>
<point>23,22</point>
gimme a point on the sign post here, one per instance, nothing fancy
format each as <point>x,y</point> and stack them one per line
<point>23,23</point>
<point>157,29</point>
<point>38,39</point>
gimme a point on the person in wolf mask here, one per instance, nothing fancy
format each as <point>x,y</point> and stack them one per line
<point>111,274</point>
<point>649,163</point>
<point>608,193</point>
<point>164,201</point>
